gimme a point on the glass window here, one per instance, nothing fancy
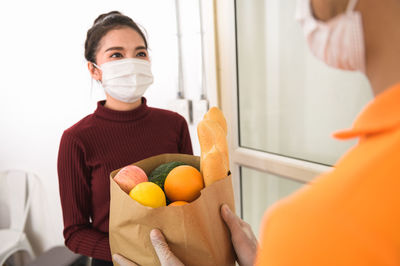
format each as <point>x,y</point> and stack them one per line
<point>289,102</point>
<point>259,191</point>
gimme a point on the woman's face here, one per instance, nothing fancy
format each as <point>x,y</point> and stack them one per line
<point>119,44</point>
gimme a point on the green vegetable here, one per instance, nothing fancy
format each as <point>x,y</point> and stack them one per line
<point>159,174</point>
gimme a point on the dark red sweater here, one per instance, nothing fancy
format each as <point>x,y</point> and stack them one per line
<point>98,144</point>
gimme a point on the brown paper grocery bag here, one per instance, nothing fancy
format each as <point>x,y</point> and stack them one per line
<point>195,232</point>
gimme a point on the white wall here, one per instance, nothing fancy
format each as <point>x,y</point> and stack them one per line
<point>45,86</point>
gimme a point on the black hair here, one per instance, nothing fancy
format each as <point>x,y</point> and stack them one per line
<point>101,26</point>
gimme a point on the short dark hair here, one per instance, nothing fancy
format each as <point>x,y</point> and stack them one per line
<point>101,26</point>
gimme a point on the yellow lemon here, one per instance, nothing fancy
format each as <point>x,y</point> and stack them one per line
<point>148,194</point>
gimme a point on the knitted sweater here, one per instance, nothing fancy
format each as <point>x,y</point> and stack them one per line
<point>95,146</point>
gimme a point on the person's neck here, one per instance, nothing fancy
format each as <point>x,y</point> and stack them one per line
<point>116,105</point>
<point>384,70</point>
<point>382,41</point>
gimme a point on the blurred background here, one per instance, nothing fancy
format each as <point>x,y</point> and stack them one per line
<point>247,57</point>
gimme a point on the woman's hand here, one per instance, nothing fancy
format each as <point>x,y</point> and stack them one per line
<point>243,238</point>
<point>165,255</point>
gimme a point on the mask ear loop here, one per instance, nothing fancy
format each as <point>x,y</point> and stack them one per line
<point>351,6</point>
<point>96,66</point>
<point>91,80</point>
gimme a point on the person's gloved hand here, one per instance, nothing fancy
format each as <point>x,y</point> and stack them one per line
<point>243,238</point>
<point>165,255</point>
<point>122,261</point>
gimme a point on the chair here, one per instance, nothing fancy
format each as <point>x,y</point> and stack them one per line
<point>60,256</point>
<point>17,190</point>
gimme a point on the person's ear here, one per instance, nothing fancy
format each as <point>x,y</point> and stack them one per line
<point>94,71</point>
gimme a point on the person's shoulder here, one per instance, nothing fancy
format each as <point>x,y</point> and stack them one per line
<point>286,207</point>
<point>166,114</point>
<point>80,127</point>
<point>291,220</point>
<point>306,200</point>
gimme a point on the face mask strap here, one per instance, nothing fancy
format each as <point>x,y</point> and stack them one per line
<point>96,66</point>
<point>352,4</point>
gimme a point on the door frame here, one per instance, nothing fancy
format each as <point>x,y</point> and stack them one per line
<point>224,17</point>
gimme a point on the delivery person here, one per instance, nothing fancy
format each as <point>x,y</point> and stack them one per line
<point>350,215</point>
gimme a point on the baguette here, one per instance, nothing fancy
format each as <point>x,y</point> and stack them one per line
<point>214,159</point>
<point>215,114</point>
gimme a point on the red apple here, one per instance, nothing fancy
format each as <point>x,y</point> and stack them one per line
<point>129,176</point>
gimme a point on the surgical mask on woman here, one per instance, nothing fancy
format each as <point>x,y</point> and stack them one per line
<point>127,79</point>
<point>338,42</point>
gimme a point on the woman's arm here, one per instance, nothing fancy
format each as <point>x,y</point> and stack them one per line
<point>75,194</point>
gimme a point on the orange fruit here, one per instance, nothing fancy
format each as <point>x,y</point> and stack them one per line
<point>178,203</point>
<point>183,183</point>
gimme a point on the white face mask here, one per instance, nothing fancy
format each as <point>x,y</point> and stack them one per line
<point>127,79</point>
<point>338,42</point>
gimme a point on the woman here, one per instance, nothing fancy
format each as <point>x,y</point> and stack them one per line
<point>122,130</point>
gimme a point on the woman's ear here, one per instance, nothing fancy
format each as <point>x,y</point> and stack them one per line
<point>94,71</point>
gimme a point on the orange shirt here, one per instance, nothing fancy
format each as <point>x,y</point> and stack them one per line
<point>350,215</point>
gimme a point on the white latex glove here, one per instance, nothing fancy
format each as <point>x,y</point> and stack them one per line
<point>122,261</point>
<point>165,255</point>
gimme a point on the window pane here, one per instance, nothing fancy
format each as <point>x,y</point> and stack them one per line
<point>289,102</point>
<point>259,191</point>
